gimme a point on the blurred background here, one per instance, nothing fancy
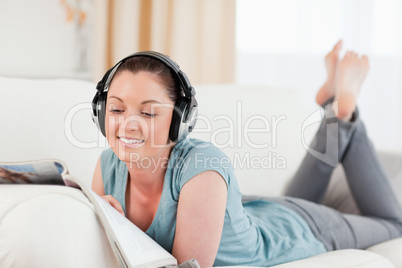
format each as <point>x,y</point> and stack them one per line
<point>279,43</point>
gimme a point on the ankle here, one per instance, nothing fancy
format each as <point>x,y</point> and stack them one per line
<point>324,94</point>
<point>344,109</point>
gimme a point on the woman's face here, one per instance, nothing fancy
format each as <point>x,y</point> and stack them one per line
<point>138,117</point>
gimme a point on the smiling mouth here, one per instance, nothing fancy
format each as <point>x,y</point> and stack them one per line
<point>131,141</point>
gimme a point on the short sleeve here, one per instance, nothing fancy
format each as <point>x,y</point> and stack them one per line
<point>200,158</point>
<point>114,176</point>
<point>106,159</point>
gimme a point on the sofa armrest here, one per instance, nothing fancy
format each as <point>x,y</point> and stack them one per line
<point>338,195</point>
<point>50,226</point>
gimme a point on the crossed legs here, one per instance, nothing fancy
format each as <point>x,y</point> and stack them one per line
<point>371,189</point>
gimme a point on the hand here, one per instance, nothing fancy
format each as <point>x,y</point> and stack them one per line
<point>114,203</point>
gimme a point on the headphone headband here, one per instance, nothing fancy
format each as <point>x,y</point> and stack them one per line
<point>180,77</point>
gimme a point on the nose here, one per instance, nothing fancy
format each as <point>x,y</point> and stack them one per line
<point>133,123</point>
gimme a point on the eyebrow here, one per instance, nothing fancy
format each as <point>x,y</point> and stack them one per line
<point>144,102</point>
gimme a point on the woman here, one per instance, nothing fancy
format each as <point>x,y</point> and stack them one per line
<point>192,207</point>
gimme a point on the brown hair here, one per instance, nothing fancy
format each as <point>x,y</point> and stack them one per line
<point>162,73</point>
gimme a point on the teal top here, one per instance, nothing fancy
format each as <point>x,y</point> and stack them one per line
<point>255,233</point>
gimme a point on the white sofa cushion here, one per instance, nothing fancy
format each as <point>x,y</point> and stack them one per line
<point>391,250</point>
<point>347,258</point>
<point>50,226</point>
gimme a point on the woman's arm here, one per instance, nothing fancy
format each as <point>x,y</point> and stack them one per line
<point>200,217</point>
<point>97,182</point>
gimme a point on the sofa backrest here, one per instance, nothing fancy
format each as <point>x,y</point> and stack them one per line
<point>259,128</point>
<point>49,119</point>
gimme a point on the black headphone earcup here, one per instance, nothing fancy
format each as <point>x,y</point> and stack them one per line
<point>183,119</point>
<point>101,112</point>
<point>177,119</point>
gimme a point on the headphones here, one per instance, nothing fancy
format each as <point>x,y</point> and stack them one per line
<point>185,110</point>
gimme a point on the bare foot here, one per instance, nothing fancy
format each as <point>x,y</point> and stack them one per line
<point>352,71</point>
<point>331,63</point>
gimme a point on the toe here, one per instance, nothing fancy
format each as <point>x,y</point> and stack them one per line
<point>338,46</point>
<point>348,54</point>
<point>365,59</point>
<point>365,62</point>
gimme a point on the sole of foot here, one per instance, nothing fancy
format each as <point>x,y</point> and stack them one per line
<point>331,62</point>
<point>351,73</point>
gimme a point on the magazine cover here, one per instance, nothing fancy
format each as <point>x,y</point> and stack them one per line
<point>43,172</point>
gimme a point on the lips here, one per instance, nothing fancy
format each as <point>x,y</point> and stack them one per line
<point>131,142</point>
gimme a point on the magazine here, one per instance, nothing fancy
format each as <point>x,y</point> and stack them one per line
<point>131,246</point>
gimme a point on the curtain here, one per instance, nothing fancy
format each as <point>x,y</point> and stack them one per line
<point>198,34</point>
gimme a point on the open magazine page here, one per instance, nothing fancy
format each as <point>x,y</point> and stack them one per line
<point>47,171</point>
<point>132,246</point>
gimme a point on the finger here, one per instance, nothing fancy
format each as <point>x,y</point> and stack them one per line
<point>114,203</point>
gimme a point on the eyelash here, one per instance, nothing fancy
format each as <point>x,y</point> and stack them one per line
<point>121,111</point>
<point>116,111</point>
<point>149,115</point>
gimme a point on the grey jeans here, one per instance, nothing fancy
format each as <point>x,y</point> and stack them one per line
<point>381,217</point>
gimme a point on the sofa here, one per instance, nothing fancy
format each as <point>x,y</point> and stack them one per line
<point>265,132</point>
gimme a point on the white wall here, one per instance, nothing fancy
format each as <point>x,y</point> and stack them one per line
<point>38,41</point>
<point>379,100</point>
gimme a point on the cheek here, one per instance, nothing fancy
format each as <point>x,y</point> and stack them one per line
<point>165,127</point>
<point>111,125</point>
<point>160,130</point>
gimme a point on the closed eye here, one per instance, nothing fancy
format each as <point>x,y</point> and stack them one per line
<point>116,111</point>
<point>149,115</point>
